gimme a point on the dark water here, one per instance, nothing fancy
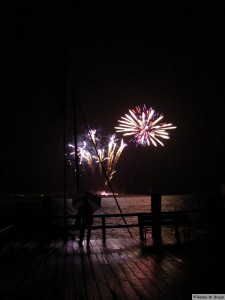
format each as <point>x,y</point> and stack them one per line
<point>130,204</point>
<point>142,204</point>
<point>133,204</point>
<point>127,204</point>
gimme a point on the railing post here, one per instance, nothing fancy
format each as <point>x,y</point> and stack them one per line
<point>141,231</point>
<point>103,229</point>
<point>156,216</point>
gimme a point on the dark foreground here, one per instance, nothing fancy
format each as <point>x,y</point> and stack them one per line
<point>119,269</point>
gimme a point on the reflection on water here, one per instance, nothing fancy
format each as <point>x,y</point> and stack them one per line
<point>134,204</point>
<point>31,207</point>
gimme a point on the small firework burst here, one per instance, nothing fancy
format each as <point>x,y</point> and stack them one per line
<point>96,152</point>
<point>143,124</point>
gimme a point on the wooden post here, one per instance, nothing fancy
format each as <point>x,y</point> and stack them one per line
<point>156,216</point>
<point>141,230</point>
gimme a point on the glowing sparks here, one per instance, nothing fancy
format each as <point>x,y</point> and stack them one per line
<point>97,152</point>
<point>113,155</point>
<point>143,124</point>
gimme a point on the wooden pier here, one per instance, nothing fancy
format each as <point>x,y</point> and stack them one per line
<point>127,268</point>
<point>40,258</point>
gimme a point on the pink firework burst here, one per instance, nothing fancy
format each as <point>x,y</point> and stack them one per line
<point>143,124</point>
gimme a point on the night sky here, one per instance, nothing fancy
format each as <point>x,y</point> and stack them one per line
<point>168,55</point>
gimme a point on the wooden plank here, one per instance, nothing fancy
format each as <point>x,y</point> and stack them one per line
<point>153,292</point>
<point>122,284</point>
<point>37,276</point>
<point>13,282</point>
<point>167,275</point>
<point>101,281</point>
<point>113,282</point>
<point>200,267</point>
<point>150,280</point>
<point>27,274</point>
<point>50,278</point>
<point>79,279</point>
<point>101,259</point>
<point>90,279</point>
<point>116,262</point>
<point>179,275</point>
<point>58,276</point>
<point>96,247</point>
<point>119,269</point>
<point>133,274</point>
<point>153,273</point>
<point>69,274</point>
<point>196,273</point>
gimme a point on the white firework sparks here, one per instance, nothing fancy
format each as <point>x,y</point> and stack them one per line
<point>143,124</point>
<point>97,153</point>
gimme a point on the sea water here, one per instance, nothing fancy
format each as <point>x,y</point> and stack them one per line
<point>140,204</point>
<point>32,206</point>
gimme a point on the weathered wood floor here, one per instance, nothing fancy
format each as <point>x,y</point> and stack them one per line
<point>119,269</point>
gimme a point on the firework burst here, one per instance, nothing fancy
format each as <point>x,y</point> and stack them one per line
<point>97,152</point>
<point>143,124</point>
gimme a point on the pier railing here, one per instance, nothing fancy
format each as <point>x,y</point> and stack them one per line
<point>145,221</point>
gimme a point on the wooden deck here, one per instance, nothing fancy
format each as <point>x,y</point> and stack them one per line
<point>126,268</point>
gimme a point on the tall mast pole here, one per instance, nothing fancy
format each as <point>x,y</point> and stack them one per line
<point>75,142</point>
<point>64,125</point>
<point>64,162</point>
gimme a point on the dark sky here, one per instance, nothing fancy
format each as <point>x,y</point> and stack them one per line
<point>166,54</point>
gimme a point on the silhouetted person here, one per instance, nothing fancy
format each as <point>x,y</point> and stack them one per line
<point>85,213</point>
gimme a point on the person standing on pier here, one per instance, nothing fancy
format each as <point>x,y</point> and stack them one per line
<point>85,213</point>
